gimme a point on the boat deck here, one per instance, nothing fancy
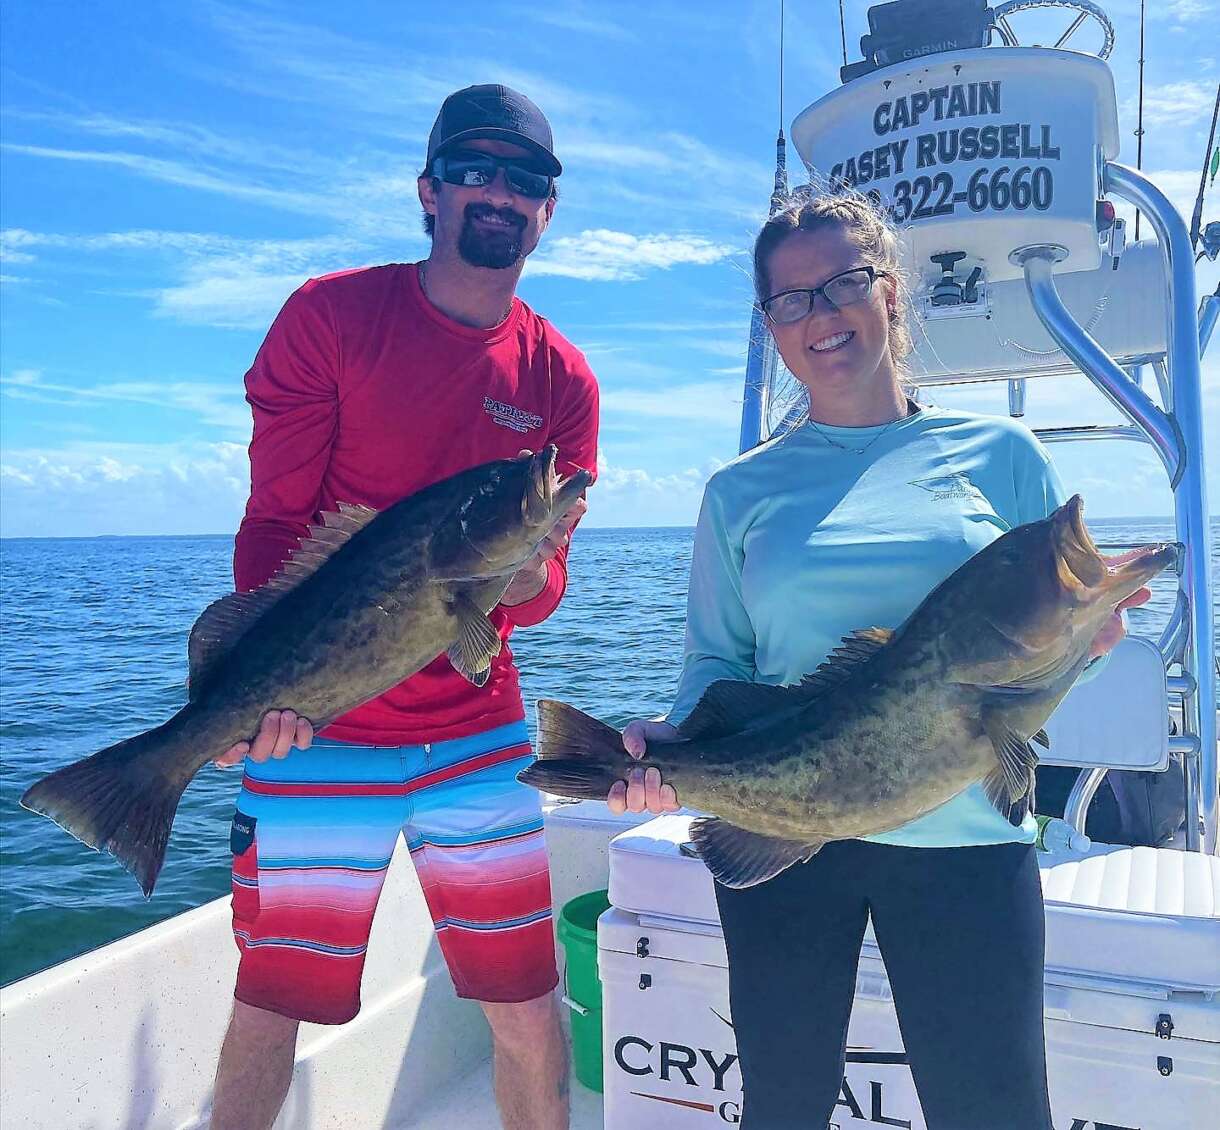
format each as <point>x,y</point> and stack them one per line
<point>469,1103</point>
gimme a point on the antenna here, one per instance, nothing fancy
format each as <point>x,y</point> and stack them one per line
<point>779,194</point>
<point>1139,126</point>
<point>781,68</point>
<point>843,32</point>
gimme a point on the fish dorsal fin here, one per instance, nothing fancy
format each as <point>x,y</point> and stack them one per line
<point>220,626</point>
<point>324,541</point>
<point>729,706</point>
<point>1016,757</point>
<point>226,620</point>
<point>853,652</point>
<point>478,643</point>
<point>738,858</point>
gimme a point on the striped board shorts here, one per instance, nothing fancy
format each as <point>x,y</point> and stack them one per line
<point>312,839</point>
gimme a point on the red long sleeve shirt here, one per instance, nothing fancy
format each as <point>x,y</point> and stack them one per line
<point>364,392</point>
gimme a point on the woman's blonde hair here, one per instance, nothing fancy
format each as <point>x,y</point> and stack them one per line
<point>868,226</point>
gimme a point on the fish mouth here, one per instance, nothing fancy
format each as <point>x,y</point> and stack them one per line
<point>1083,569</point>
<point>549,494</point>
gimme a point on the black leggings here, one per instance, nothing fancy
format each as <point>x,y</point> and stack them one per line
<point>961,931</point>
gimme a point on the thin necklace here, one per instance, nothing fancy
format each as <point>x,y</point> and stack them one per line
<point>421,274</point>
<point>858,450</point>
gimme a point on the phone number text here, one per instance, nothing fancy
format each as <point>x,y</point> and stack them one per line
<point>996,190</point>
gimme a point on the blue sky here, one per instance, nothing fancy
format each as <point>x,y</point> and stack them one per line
<point>172,171</point>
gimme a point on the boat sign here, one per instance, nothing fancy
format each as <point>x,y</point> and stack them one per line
<point>978,151</point>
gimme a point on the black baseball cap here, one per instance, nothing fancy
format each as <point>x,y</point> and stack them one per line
<point>493,111</point>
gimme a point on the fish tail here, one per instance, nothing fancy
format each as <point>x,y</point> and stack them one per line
<point>578,756</point>
<point>121,800</point>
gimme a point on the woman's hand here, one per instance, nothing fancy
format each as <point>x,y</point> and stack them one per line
<point>643,790</point>
<point>1114,629</point>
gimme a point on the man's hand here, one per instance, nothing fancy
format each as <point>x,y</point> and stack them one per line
<point>278,732</point>
<point>528,581</point>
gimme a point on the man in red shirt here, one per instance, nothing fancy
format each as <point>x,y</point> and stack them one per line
<point>370,385</point>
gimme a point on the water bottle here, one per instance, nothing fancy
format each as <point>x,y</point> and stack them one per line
<point>1055,835</point>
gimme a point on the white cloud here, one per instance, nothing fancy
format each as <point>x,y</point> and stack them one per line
<point>182,175</point>
<point>1179,104</point>
<point>612,478</point>
<point>368,191</point>
<point>369,82</point>
<point>1180,185</point>
<point>239,301</point>
<point>1181,11</point>
<point>625,496</point>
<point>602,255</point>
<point>706,402</point>
<point>580,22</point>
<point>222,281</point>
<point>88,490</point>
<point>218,405</point>
<point>179,137</point>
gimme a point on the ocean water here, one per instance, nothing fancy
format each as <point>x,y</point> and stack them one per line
<point>93,649</point>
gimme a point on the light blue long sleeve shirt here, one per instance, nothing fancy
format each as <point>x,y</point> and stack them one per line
<point>800,542</point>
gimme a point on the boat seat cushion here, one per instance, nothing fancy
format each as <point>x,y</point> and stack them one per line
<point>1119,718</point>
<point>1134,913</point>
<point>1127,913</point>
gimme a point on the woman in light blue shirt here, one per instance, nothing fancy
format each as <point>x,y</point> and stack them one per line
<point>845,522</point>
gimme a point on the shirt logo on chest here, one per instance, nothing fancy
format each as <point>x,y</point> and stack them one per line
<point>509,417</point>
<point>956,484</point>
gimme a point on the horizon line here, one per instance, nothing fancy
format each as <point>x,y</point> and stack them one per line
<point>1212,518</point>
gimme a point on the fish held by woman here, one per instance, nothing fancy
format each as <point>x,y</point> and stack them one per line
<point>893,724</point>
<point>367,600</point>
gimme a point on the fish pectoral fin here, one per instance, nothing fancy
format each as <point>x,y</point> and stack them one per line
<point>738,858</point>
<point>996,787</point>
<point>477,644</point>
<point>1016,756</point>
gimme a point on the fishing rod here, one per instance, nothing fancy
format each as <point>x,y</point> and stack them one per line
<point>1139,125</point>
<point>1196,221</point>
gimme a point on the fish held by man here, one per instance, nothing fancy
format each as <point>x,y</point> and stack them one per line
<point>893,724</point>
<point>366,601</point>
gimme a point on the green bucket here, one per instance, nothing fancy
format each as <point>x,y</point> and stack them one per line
<point>582,990</point>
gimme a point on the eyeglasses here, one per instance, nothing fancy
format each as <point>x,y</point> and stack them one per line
<point>474,169</point>
<point>844,289</point>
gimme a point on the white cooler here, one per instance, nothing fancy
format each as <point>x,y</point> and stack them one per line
<point>1132,1005</point>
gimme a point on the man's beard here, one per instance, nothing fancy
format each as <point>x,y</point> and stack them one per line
<point>496,249</point>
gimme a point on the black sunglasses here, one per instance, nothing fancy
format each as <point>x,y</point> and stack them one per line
<point>844,289</point>
<point>473,168</point>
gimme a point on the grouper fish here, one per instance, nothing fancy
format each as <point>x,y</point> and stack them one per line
<point>893,724</point>
<point>368,599</point>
